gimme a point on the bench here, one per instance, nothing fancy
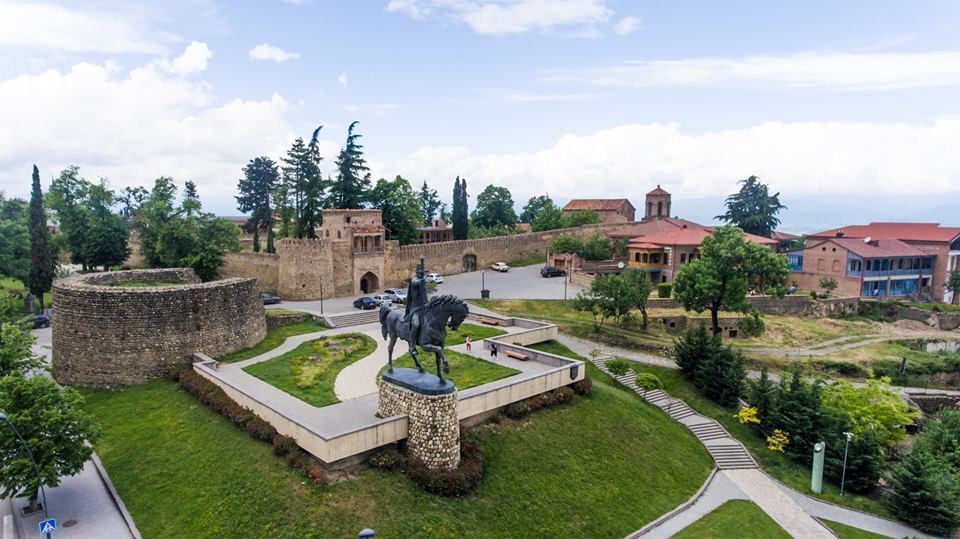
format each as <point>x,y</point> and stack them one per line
<point>516,355</point>
<point>488,321</point>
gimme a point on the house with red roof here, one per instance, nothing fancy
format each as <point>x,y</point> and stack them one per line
<point>662,246</point>
<point>880,259</point>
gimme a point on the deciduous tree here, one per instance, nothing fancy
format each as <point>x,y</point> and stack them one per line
<point>400,208</point>
<point>494,208</point>
<point>535,207</point>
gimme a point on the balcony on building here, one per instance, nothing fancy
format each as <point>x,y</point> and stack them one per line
<point>649,257</point>
<point>438,231</point>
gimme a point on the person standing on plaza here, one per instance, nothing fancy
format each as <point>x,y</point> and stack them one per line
<point>469,344</point>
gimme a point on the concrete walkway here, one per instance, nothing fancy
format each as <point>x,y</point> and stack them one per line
<point>360,377</point>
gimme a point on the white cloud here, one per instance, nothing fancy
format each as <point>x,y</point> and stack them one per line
<point>830,159</point>
<point>266,51</point>
<point>134,125</point>
<point>512,16</point>
<point>58,28</point>
<point>626,25</point>
<point>342,79</point>
<point>843,71</point>
<point>193,60</point>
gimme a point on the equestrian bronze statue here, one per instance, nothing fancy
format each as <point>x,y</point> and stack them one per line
<point>424,323</point>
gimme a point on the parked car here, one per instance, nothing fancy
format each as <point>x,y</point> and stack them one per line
<point>269,299</point>
<point>394,294</point>
<point>502,267</point>
<point>37,321</point>
<point>434,278</point>
<point>383,299</point>
<point>366,303</point>
<point>551,271</point>
<point>401,295</point>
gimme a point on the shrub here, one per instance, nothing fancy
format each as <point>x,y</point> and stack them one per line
<point>283,445</point>
<point>583,387</point>
<point>459,481</point>
<point>618,366</point>
<point>388,459</point>
<point>516,410</point>
<point>813,294</point>
<point>924,495</point>
<point>648,381</point>
<point>664,290</point>
<point>752,325</point>
<point>260,429</point>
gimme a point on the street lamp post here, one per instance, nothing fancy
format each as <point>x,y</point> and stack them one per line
<point>843,475</point>
<point>43,494</point>
<point>321,296</point>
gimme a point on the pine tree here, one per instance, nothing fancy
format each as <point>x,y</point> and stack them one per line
<point>763,397</point>
<point>690,349</point>
<point>430,203</point>
<point>720,374</point>
<point>925,495</point>
<point>256,188</point>
<point>798,413</point>
<point>191,199</point>
<point>42,260</point>
<point>753,208</point>
<point>352,186</point>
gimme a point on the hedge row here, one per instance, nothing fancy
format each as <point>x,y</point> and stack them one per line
<point>459,481</point>
<point>519,409</point>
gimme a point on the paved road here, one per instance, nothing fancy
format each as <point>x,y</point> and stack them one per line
<point>518,283</point>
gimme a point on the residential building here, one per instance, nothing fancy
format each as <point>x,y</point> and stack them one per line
<point>669,244</point>
<point>615,210</point>
<point>880,259</point>
<point>437,231</point>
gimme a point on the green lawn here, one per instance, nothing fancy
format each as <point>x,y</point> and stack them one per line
<point>736,518</point>
<point>146,284</point>
<point>9,284</point>
<point>275,337</point>
<point>310,370</point>
<point>776,464</point>
<point>597,467</point>
<point>849,532</point>
<point>477,333</point>
<point>465,371</point>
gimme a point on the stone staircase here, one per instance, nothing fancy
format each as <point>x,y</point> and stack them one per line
<point>728,453</point>
<point>358,318</point>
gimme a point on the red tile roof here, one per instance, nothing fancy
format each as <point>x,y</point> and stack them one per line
<point>878,248</point>
<point>596,204</point>
<point>918,232</point>
<point>658,191</point>
<point>653,227</point>
<point>687,237</point>
<point>644,245</point>
<point>784,236</point>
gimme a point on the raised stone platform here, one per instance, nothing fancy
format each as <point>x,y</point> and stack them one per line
<point>433,429</point>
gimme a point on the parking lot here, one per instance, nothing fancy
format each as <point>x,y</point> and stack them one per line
<point>518,283</point>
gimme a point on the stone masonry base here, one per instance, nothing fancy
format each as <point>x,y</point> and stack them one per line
<point>433,431</point>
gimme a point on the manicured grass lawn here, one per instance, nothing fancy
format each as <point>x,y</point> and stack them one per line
<point>774,463</point>
<point>309,371</point>
<point>146,284</point>
<point>849,532</point>
<point>9,284</point>
<point>477,333</point>
<point>602,466</point>
<point>465,371</point>
<point>736,518</point>
<point>789,331</point>
<point>275,337</point>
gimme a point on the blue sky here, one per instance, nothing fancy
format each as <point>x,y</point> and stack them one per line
<point>577,98</point>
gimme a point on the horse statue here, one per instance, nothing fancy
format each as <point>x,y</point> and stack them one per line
<point>439,313</point>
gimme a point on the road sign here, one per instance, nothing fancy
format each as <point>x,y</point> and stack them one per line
<point>48,526</point>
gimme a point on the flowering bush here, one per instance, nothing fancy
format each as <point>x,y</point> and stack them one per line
<point>747,416</point>
<point>778,440</point>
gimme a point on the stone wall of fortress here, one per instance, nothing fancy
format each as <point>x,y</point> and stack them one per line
<point>447,258</point>
<point>302,265</point>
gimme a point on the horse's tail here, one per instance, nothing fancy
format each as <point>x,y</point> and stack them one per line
<point>384,312</point>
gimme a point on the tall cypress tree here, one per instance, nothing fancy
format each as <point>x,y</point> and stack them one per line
<point>42,262</point>
<point>459,212</point>
<point>352,186</point>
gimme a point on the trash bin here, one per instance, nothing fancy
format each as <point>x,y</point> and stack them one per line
<point>484,294</point>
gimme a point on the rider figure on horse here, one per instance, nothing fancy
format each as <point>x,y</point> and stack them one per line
<point>416,301</point>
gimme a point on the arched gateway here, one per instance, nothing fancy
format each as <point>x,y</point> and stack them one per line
<point>369,283</point>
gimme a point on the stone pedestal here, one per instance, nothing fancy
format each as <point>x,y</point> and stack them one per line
<point>433,431</point>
